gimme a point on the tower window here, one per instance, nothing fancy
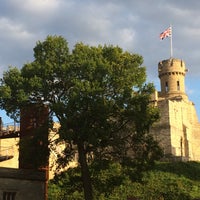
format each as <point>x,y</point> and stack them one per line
<point>178,85</point>
<point>166,87</point>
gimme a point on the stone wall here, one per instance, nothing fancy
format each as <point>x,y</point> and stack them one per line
<point>195,143</point>
<point>22,184</point>
<point>178,130</point>
<point>161,129</point>
<point>9,152</point>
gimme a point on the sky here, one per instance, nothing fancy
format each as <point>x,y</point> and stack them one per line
<point>134,25</point>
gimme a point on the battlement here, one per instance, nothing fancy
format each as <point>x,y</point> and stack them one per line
<point>171,66</point>
<point>172,77</point>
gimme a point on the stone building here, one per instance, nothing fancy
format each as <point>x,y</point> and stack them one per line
<point>20,146</point>
<point>26,179</point>
<point>178,130</point>
<point>22,184</point>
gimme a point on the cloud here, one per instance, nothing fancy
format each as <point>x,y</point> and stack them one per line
<point>9,29</point>
<point>34,7</point>
<point>131,24</point>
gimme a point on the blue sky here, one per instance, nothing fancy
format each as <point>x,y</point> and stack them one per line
<point>133,25</point>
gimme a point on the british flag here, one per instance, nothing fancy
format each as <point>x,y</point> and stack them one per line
<point>166,33</point>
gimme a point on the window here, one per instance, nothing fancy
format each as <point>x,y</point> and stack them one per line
<point>178,85</point>
<point>9,195</point>
<point>166,86</point>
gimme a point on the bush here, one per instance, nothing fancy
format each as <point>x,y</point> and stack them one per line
<point>111,181</point>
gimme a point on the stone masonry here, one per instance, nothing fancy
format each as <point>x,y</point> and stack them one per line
<point>21,184</point>
<point>178,130</point>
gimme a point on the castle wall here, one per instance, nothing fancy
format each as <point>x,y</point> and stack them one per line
<point>178,130</point>
<point>181,128</point>
<point>195,143</point>
<point>185,131</point>
<point>161,129</point>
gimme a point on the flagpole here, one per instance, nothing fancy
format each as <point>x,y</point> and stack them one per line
<point>168,33</point>
<point>171,49</point>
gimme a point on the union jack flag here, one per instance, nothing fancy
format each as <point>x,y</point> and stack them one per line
<point>166,33</point>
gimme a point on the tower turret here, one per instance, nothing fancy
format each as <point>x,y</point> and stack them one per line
<point>172,78</point>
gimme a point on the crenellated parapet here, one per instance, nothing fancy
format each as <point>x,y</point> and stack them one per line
<point>172,77</point>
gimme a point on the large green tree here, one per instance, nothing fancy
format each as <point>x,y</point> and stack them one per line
<point>98,94</point>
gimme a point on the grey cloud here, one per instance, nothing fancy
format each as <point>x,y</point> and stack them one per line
<point>134,25</point>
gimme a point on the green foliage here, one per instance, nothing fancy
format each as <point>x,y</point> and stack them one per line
<point>66,186</point>
<point>111,174</point>
<point>11,92</point>
<point>165,186</point>
<point>112,182</point>
<point>99,96</point>
<point>79,85</point>
<point>187,169</point>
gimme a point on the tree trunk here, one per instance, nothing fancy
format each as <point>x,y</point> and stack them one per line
<point>87,185</point>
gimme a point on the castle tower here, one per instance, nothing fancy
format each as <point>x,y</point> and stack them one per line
<point>172,78</point>
<point>178,130</point>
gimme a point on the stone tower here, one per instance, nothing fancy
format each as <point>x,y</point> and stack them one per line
<point>172,78</point>
<point>178,130</point>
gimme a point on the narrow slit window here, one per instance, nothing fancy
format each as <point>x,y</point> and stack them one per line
<point>166,87</point>
<point>178,85</point>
